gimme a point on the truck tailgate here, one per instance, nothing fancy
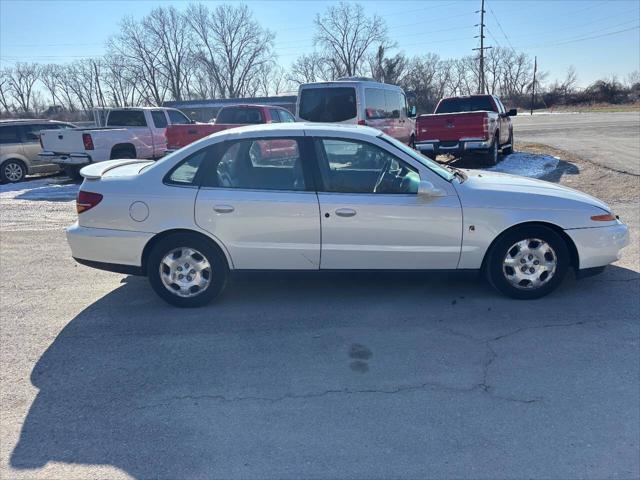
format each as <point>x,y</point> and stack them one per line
<point>179,136</point>
<point>448,127</point>
<point>62,141</point>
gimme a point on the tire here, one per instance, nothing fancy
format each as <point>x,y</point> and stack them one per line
<point>509,150</point>
<point>194,289</point>
<point>492,154</point>
<point>13,171</point>
<point>72,171</point>
<point>505,252</point>
<point>122,154</point>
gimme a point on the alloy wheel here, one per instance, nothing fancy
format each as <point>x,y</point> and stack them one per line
<point>185,272</point>
<point>529,264</point>
<point>13,172</point>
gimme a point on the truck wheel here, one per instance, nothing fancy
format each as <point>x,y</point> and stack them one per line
<point>12,171</point>
<point>508,150</point>
<point>492,155</point>
<point>72,171</point>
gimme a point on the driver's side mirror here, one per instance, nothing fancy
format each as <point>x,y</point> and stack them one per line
<point>412,112</point>
<point>512,113</point>
<point>428,189</point>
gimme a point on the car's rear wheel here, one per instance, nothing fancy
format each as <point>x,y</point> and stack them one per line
<point>12,171</point>
<point>527,262</point>
<point>72,171</point>
<point>492,154</point>
<point>185,270</point>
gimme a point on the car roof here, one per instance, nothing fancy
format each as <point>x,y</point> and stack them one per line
<point>350,83</point>
<point>299,128</point>
<point>250,105</point>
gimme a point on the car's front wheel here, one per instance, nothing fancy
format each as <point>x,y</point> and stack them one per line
<point>527,262</point>
<point>185,270</point>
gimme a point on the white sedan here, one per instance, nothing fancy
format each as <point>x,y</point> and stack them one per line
<point>322,197</point>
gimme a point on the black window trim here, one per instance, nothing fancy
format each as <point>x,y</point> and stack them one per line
<point>210,166</point>
<point>164,115</point>
<point>197,179</point>
<point>318,173</point>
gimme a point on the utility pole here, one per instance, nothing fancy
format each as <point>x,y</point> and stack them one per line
<point>533,85</point>
<point>482,48</point>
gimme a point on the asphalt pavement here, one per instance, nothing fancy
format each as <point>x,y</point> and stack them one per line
<point>611,140</point>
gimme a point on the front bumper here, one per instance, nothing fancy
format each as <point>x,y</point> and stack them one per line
<point>436,147</point>
<point>107,247</point>
<point>599,246</point>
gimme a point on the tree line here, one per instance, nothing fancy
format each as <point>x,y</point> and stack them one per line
<point>224,52</point>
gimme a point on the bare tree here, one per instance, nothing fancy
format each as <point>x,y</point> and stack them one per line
<point>346,35</point>
<point>141,55</point>
<point>387,69</point>
<point>5,98</point>
<point>232,44</point>
<point>21,81</point>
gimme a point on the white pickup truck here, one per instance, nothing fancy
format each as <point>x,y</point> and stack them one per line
<point>128,133</point>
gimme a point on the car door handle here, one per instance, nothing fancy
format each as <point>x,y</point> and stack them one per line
<point>223,208</point>
<point>345,212</point>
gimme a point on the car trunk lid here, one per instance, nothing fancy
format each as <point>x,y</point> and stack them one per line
<point>447,127</point>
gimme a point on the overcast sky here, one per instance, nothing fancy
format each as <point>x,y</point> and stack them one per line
<point>600,38</point>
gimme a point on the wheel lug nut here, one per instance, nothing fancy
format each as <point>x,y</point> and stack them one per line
<point>186,265</point>
<point>179,269</point>
<point>192,272</point>
<point>532,269</point>
<point>524,269</point>
<point>536,262</point>
<point>188,278</point>
<point>180,276</point>
<point>530,257</point>
<point>522,260</point>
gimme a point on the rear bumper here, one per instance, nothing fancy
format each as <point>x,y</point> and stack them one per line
<point>101,246</point>
<point>66,159</point>
<point>599,246</point>
<point>437,147</point>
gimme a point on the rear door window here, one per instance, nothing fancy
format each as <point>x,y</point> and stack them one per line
<point>126,118</point>
<point>240,116</point>
<point>286,116</point>
<point>328,104</point>
<point>159,120</point>
<point>394,103</point>
<point>9,134</point>
<point>275,116</point>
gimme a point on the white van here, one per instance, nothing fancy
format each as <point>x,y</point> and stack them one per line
<point>360,101</point>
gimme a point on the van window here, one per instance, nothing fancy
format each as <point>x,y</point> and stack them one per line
<point>9,135</point>
<point>239,115</point>
<point>328,104</point>
<point>286,116</point>
<point>394,103</point>
<point>275,117</point>
<point>126,118</point>
<point>375,104</point>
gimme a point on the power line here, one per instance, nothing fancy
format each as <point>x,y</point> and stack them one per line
<point>501,29</point>
<point>554,44</point>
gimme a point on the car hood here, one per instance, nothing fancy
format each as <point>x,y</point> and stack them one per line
<point>483,188</point>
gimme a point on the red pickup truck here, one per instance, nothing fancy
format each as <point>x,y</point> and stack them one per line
<point>232,116</point>
<point>475,124</point>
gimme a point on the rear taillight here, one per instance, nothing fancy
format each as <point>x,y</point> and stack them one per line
<point>88,141</point>
<point>485,127</point>
<point>87,200</point>
<point>362,122</point>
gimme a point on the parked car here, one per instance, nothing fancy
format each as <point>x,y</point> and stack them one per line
<point>20,146</point>
<point>475,124</point>
<point>232,116</point>
<point>341,197</point>
<point>359,101</point>
<point>129,133</point>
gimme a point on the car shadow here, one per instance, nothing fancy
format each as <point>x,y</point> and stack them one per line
<point>161,392</point>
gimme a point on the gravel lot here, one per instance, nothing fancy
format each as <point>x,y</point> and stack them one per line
<point>313,376</point>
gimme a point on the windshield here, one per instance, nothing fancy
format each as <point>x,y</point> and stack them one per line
<point>329,104</point>
<point>435,167</point>
<point>467,104</point>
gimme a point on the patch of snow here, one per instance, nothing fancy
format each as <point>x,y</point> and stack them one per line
<point>45,189</point>
<point>526,165</point>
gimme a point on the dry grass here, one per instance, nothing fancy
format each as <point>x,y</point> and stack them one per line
<point>593,107</point>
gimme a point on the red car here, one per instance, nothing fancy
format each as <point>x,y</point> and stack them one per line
<point>232,116</point>
<point>475,124</point>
